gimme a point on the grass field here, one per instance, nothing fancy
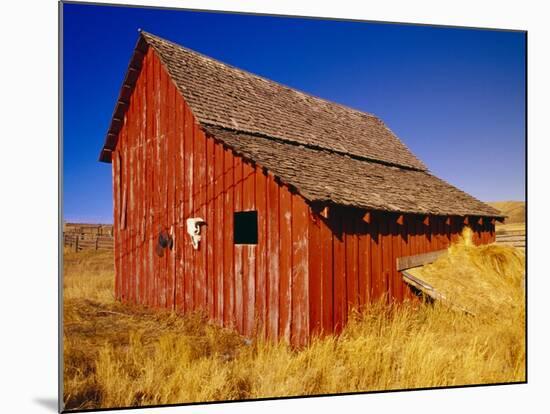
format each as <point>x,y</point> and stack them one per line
<point>514,210</point>
<point>117,355</point>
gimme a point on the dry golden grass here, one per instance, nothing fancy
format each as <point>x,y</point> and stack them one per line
<point>486,280</point>
<point>118,355</point>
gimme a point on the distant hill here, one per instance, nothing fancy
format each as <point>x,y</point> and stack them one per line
<point>515,210</point>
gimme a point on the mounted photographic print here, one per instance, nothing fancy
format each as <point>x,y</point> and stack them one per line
<point>263,206</point>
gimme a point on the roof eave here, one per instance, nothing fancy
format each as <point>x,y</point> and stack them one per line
<point>123,100</point>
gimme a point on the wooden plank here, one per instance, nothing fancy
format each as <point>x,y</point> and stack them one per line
<point>300,272</point>
<point>448,230</point>
<point>261,253</point>
<point>326,236</point>
<point>137,196</point>
<point>405,251</point>
<point>163,173</point>
<point>460,225</point>
<point>124,212</point>
<point>150,119</point>
<point>155,101</point>
<point>199,185</point>
<point>238,249</point>
<point>408,262</point>
<point>352,282</point>
<point>443,232</point>
<point>493,231</point>
<point>171,190</point>
<point>219,229</point>
<point>397,288</point>
<point>432,234</point>
<point>513,244</point>
<point>272,259</point>
<point>144,202</point>
<point>503,232</point>
<point>387,264</point>
<point>363,263</point>
<point>412,237</point>
<point>131,203</point>
<point>483,233</point>
<point>135,216</point>
<point>150,177</point>
<point>421,238</point>
<point>440,231</point>
<point>181,234</point>
<point>145,194</point>
<point>116,208</point>
<point>315,275</point>
<point>376,260</point>
<point>124,218</point>
<point>285,264</point>
<point>249,253</point>
<point>339,270</point>
<point>138,139</point>
<point>214,268</point>
<point>510,238</point>
<point>124,230</point>
<point>189,252</point>
<point>229,314</point>
<point>155,134</point>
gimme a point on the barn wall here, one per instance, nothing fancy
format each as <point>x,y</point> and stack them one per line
<point>305,274</point>
<point>165,170</point>
<point>353,262</point>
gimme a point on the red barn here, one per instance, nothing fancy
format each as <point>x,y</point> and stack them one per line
<point>273,211</point>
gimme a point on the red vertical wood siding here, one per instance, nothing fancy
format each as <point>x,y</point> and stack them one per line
<point>225,221</point>
<point>273,274</point>
<point>238,249</point>
<point>213,266</point>
<point>339,297</point>
<point>300,271</point>
<point>249,253</point>
<point>218,285</point>
<point>315,276</point>
<point>261,253</point>
<point>285,263</point>
<point>306,273</point>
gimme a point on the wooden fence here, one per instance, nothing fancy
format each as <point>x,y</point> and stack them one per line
<point>89,229</point>
<point>515,238</point>
<point>80,236</point>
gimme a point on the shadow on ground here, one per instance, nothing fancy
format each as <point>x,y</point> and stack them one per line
<point>49,403</point>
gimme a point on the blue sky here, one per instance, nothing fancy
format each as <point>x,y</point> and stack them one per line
<point>456,97</point>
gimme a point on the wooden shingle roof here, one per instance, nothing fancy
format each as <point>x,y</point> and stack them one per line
<point>326,151</point>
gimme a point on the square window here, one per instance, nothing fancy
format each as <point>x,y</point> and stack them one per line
<point>245,227</point>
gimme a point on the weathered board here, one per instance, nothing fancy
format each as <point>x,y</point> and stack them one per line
<point>406,262</point>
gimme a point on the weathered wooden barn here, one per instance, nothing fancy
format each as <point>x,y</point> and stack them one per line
<point>273,211</point>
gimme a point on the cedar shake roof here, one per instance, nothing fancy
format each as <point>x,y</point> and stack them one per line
<point>326,151</point>
<point>328,177</point>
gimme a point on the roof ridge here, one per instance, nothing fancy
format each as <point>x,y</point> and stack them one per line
<point>260,77</point>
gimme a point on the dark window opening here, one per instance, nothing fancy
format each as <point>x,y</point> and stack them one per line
<point>245,227</point>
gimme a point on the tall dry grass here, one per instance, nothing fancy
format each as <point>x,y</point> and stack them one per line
<point>117,355</point>
<point>486,280</point>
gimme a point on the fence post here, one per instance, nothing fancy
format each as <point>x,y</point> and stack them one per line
<point>76,244</point>
<point>96,242</point>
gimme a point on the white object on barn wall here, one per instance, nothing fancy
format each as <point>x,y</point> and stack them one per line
<point>194,230</point>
